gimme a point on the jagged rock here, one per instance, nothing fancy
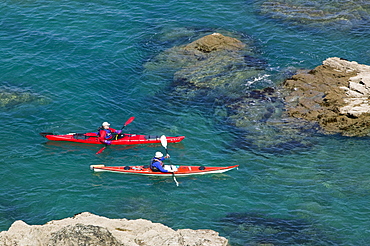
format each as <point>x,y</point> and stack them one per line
<point>90,229</point>
<point>335,94</point>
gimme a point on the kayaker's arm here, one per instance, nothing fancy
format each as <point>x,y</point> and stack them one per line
<point>117,131</point>
<point>162,169</point>
<point>159,166</point>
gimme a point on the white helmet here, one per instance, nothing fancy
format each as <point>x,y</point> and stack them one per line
<point>158,154</point>
<point>105,124</point>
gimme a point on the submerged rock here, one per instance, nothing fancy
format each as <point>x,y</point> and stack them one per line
<point>264,124</point>
<point>335,95</point>
<point>258,229</point>
<point>341,15</point>
<point>12,97</point>
<point>89,229</point>
<point>213,62</point>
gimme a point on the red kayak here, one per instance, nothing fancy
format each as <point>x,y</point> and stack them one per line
<point>173,169</point>
<point>119,139</point>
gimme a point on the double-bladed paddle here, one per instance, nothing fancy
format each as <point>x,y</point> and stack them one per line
<point>131,119</point>
<point>164,144</point>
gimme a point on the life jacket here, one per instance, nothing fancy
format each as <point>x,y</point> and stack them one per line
<point>154,168</point>
<point>108,134</point>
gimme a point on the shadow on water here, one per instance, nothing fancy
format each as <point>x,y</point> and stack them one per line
<point>258,229</point>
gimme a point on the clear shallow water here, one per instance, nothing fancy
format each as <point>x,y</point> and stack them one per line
<point>85,60</point>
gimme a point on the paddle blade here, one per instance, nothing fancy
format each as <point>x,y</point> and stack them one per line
<point>131,119</point>
<point>101,150</point>
<point>93,166</point>
<point>164,141</point>
<point>46,133</point>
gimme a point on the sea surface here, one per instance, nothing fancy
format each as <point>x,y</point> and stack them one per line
<point>76,64</point>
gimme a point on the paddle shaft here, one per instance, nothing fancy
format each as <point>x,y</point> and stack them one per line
<point>164,144</point>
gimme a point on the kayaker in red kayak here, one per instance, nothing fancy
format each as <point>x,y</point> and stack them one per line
<point>105,133</point>
<point>157,162</point>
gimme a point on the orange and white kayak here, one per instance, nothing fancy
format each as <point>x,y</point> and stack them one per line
<point>172,169</point>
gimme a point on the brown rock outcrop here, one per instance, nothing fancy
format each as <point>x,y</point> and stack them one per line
<point>215,42</point>
<point>335,94</point>
<point>89,229</point>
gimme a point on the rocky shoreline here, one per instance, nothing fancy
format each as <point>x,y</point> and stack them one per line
<point>89,229</point>
<point>334,94</point>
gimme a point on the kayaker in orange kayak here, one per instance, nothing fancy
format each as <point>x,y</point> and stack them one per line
<point>105,133</point>
<point>157,162</point>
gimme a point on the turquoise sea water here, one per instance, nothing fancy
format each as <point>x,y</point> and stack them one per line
<point>83,63</point>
